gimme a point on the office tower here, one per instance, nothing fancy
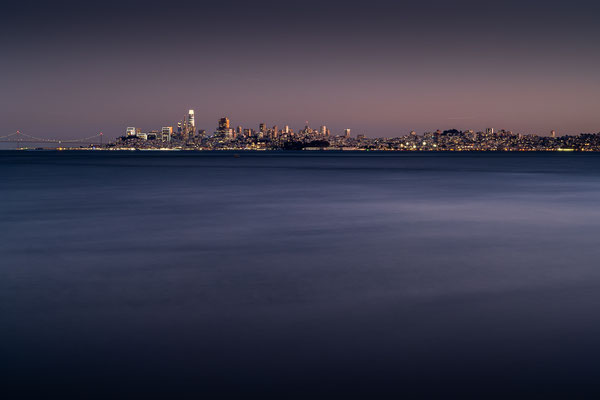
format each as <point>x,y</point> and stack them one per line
<point>262,128</point>
<point>307,129</point>
<point>239,130</point>
<point>274,131</point>
<point>131,131</point>
<point>286,129</point>
<point>553,134</point>
<point>323,130</point>
<point>191,123</point>
<point>489,131</point>
<point>167,131</point>
<point>347,133</point>
<point>223,125</point>
<point>153,135</point>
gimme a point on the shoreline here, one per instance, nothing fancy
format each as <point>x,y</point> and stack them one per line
<point>306,150</point>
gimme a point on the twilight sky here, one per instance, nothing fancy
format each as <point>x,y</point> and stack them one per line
<point>382,68</point>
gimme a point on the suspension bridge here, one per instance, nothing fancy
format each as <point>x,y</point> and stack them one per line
<point>20,137</point>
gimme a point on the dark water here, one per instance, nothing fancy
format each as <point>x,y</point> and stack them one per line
<point>328,275</point>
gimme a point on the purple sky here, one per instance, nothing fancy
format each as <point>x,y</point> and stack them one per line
<point>380,68</point>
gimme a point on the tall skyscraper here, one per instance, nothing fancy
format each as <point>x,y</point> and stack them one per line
<point>347,132</point>
<point>167,131</point>
<point>191,124</point>
<point>262,128</point>
<point>553,133</point>
<point>323,130</point>
<point>223,125</point>
<point>307,129</point>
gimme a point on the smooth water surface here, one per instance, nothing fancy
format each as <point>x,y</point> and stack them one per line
<point>303,274</point>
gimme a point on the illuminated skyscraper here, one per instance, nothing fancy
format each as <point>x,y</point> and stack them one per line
<point>307,129</point>
<point>167,131</point>
<point>553,134</point>
<point>223,125</point>
<point>191,124</point>
<point>347,133</point>
<point>323,130</point>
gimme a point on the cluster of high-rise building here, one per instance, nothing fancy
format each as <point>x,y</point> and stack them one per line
<point>187,136</point>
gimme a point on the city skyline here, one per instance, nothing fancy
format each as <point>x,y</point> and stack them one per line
<point>255,123</point>
<point>381,69</point>
<point>225,122</point>
<point>187,136</point>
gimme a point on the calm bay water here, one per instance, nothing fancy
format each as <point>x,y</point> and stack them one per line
<point>299,274</point>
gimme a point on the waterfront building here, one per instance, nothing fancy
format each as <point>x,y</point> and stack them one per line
<point>167,132</point>
<point>153,135</point>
